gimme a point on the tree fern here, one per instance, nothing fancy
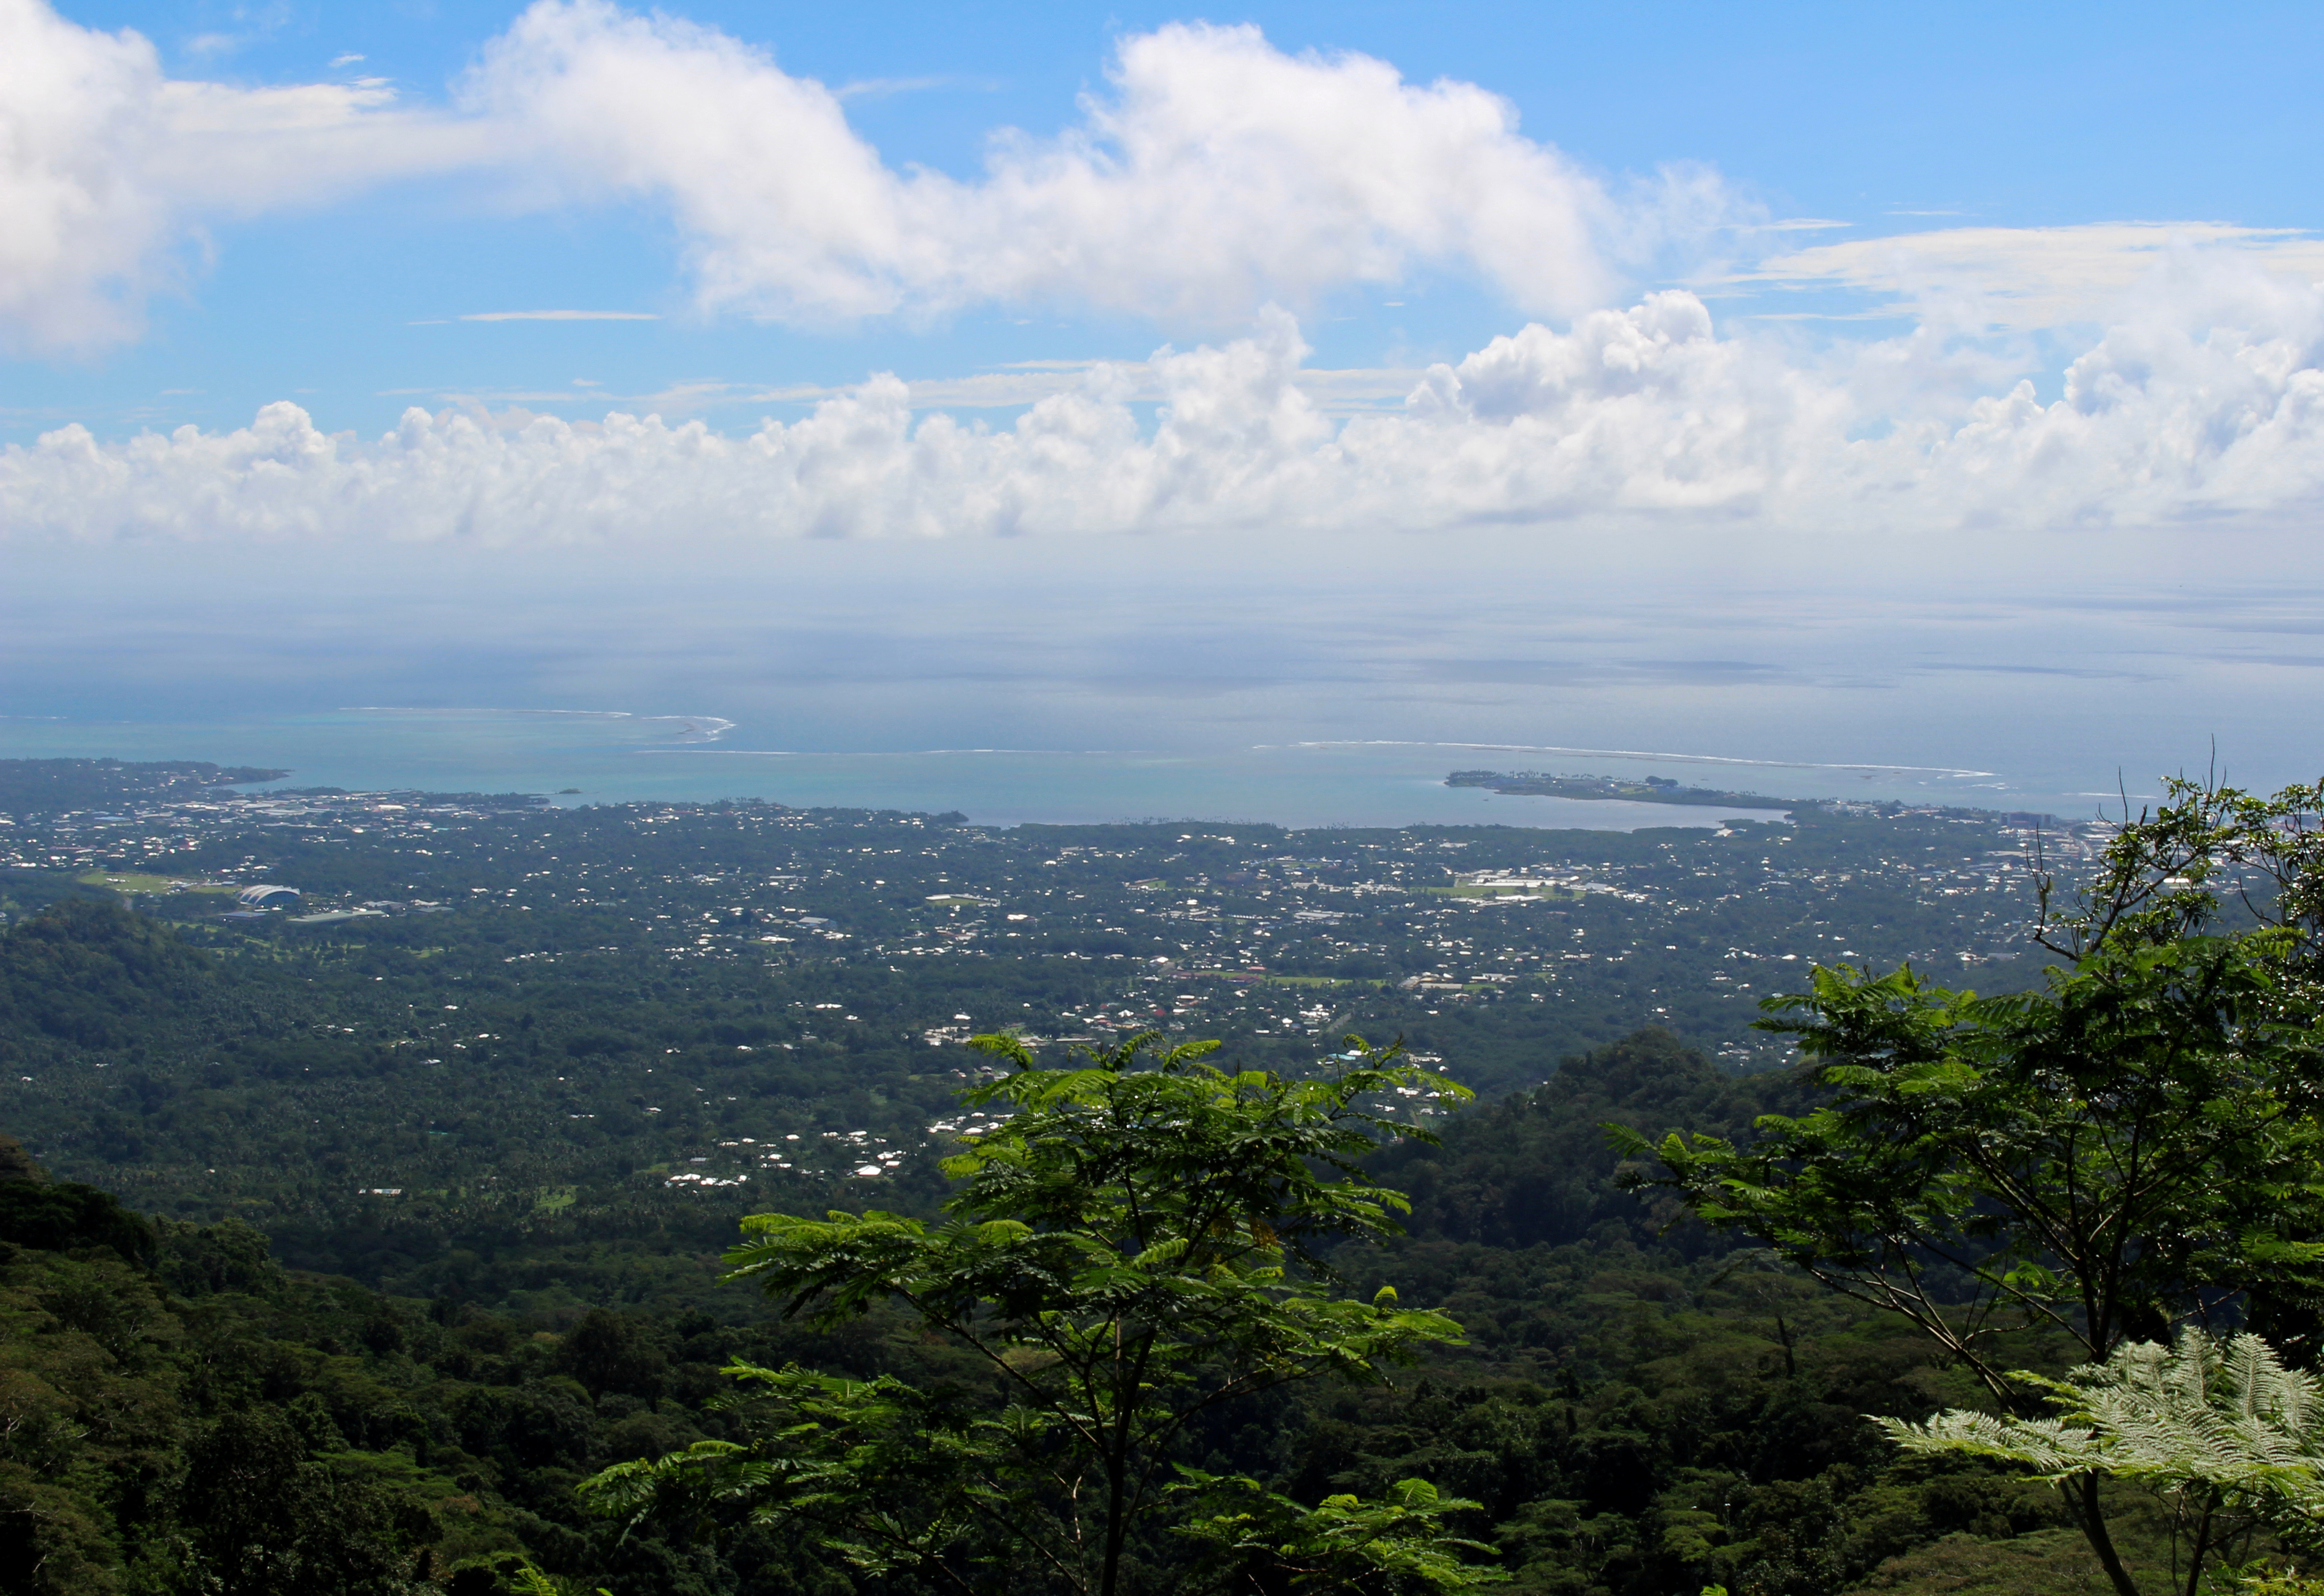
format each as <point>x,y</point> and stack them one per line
<point>2223,1419</point>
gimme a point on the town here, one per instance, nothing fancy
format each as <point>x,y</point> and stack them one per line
<point>505,1003</point>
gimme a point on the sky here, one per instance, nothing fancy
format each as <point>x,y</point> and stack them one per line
<point>441,317</point>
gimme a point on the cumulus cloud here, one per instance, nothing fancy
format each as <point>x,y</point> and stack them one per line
<point>1647,412</point>
<point>79,226</point>
<point>108,168</point>
<point>1212,174</point>
<point>1209,173</point>
<point>1216,173</point>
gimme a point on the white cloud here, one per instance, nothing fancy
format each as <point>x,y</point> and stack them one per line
<point>79,226</point>
<point>107,169</point>
<point>2021,278</point>
<point>1334,392</point>
<point>1209,173</point>
<point>1214,173</point>
<point>1217,172</point>
<point>2169,418</point>
<point>560,315</point>
<point>245,152</point>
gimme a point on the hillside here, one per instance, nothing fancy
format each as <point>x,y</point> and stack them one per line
<point>1635,1411</point>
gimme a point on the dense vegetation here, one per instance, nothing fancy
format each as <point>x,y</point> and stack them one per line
<point>1631,1419</point>
<point>1651,790</point>
<point>365,1237</point>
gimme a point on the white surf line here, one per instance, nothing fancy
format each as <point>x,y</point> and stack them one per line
<point>601,714</point>
<point>889,754</point>
<point>707,726</point>
<point>1630,754</point>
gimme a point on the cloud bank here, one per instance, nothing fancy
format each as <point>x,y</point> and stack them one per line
<point>2204,401</point>
<point>1213,174</point>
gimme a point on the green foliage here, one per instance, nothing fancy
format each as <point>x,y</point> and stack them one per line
<point>198,1260</point>
<point>2128,1146</point>
<point>1629,1419</point>
<point>883,1475</point>
<point>92,974</point>
<point>223,1425</point>
<point>495,1063</point>
<point>2222,1428</point>
<point>2284,1582</point>
<point>253,1503</point>
<point>2045,1562</point>
<point>2209,854</point>
<point>69,1214</point>
<point>2100,1157</point>
<point>1130,1249</point>
<point>2205,1415</point>
<point>1535,1167</point>
<point>54,786</point>
<point>1266,1543</point>
<point>1637,1409</point>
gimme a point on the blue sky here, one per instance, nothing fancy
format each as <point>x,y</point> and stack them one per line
<point>1891,120</point>
<point>1817,378</point>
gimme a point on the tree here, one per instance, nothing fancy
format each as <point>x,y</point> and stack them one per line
<point>2099,1158</point>
<point>2215,858</point>
<point>263,1519</point>
<point>2221,1427</point>
<point>1135,1248</point>
<point>1266,1544</point>
<point>2134,1145</point>
<point>2210,854</point>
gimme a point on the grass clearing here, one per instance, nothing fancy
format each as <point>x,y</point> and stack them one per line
<point>140,883</point>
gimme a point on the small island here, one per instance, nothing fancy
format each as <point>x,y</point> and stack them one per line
<point>1650,789</point>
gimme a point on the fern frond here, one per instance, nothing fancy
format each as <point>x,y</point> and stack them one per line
<point>2225,1415</point>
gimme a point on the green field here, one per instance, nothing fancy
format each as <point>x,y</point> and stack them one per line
<point>138,884</point>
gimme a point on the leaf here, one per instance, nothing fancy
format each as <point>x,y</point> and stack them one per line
<point>1144,1235</point>
<point>2225,1415</point>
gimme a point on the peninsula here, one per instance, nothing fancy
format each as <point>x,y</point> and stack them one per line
<point>1650,789</point>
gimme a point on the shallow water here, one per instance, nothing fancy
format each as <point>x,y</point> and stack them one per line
<point>612,758</point>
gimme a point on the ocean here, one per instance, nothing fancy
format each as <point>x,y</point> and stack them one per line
<point>1213,679</point>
